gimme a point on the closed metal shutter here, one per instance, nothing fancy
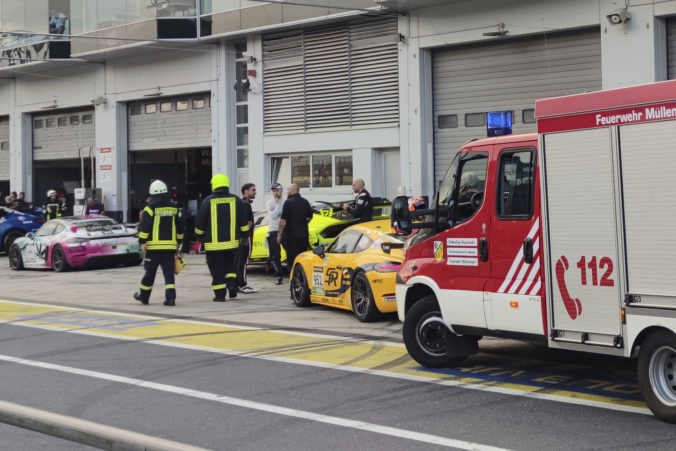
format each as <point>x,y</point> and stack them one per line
<point>339,76</point>
<point>59,136</point>
<point>4,148</point>
<point>506,76</point>
<point>671,48</point>
<point>171,123</point>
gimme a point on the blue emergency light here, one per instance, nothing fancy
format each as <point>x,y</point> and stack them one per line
<point>498,123</point>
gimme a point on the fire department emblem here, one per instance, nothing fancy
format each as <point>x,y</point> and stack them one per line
<point>438,250</point>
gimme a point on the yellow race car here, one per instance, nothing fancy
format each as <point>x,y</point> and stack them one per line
<point>328,220</point>
<point>355,272</point>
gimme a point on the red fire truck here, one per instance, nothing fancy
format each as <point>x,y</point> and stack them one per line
<point>567,236</point>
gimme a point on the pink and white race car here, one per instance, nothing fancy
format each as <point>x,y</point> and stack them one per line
<point>77,241</point>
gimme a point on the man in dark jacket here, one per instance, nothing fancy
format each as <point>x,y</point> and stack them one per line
<point>246,241</point>
<point>362,207</point>
<point>293,230</point>
<point>219,225</point>
<point>160,231</point>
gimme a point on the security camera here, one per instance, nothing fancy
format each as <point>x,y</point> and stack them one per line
<point>619,16</point>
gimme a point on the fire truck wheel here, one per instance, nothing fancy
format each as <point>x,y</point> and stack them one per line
<point>657,374</point>
<point>299,287</point>
<point>425,335</point>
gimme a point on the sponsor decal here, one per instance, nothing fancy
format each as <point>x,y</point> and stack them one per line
<point>332,276</point>
<point>462,261</point>
<point>462,251</point>
<point>390,299</point>
<point>461,242</point>
<point>438,250</point>
<point>318,280</point>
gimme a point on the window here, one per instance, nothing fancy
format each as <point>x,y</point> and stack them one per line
<point>528,116</point>
<point>363,244</point>
<point>448,121</point>
<point>242,114</point>
<point>313,170</point>
<point>322,171</point>
<point>87,118</point>
<point>345,242</point>
<point>515,184</point>
<point>151,108</point>
<point>62,121</point>
<point>58,229</point>
<point>50,123</point>
<point>242,158</point>
<point>165,107</point>
<point>242,136</point>
<point>37,123</point>
<point>4,145</point>
<point>75,120</point>
<point>471,187</point>
<point>135,109</point>
<point>181,105</point>
<point>300,171</point>
<point>475,119</point>
<point>47,229</point>
<point>198,104</point>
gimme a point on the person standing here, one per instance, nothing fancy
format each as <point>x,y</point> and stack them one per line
<point>160,230</point>
<point>54,208</point>
<point>293,231</point>
<point>362,207</point>
<point>219,224</point>
<point>94,207</point>
<point>274,207</point>
<point>246,241</point>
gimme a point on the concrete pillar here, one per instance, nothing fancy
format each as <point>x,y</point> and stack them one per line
<point>111,158</point>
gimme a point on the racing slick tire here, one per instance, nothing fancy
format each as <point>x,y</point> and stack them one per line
<point>425,335</point>
<point>10,237</point>
<point>657,374</point>
<point>363,304</point>
<point>59,261</point>
<point>300,290</point>
<point>15,258</point>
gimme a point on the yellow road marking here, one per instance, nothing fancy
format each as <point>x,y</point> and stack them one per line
<point>374,357</point>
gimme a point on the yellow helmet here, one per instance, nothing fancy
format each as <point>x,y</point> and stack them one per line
<point>219,181</point>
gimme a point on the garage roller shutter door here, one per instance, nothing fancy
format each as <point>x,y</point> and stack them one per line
<point>507,76</point>
<point>671,48</point>
<point>59,136</point>
<point>4,148</point>
<point>170,123</point>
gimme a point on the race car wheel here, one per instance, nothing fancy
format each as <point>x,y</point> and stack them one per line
<point>425,335</point>
<point>10,237</point>
<point>15,259</point>
<point>363,304</point>
<point>657,374</point>
<point>59,262</point>
<point>300,291</point>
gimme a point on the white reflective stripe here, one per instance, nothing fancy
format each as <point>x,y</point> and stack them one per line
<point>260,406</point>
<point>524,267</point>
<point>518,258</point>
<point>531,276</point>
<point>536,288</point>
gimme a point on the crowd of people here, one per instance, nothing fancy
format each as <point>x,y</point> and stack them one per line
<point>224,227</point>
<point>15,202</point>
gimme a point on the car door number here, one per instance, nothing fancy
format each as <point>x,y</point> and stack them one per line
<point>318,280</point>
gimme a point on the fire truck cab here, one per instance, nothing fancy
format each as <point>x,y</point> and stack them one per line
<point>567,236</point>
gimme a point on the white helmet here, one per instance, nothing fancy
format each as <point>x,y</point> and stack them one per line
<point>51,193</point>
<point>157,187</point>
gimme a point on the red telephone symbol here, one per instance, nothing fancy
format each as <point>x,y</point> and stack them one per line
<point>573,306</point>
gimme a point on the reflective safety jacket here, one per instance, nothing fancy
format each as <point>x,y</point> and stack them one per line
<point>161,225</point>
<point>221,221</point>
<point>53,209</point>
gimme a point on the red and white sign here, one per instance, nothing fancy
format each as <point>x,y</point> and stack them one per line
<point>106,167</point>
<point>105,149</point>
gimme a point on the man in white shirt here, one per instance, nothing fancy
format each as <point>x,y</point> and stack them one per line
<point>274,207</point>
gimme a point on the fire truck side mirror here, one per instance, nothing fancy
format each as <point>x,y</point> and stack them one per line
<point>401,217</point>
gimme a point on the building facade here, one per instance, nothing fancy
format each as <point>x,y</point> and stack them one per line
<point>113,94</point>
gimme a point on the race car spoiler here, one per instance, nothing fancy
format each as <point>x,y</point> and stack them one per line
<point>331,208</point>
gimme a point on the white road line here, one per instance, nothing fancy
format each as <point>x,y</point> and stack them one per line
<point>263,407</point>
<point>381,373</point>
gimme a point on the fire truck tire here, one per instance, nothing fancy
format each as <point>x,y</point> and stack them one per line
<point>425,335</point>
<point>657,374</point>
<point>300,291</point>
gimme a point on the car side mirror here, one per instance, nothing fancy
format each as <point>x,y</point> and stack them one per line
<point>401,217</point>
<point>30,235</point>
<point>319,251</point>
<point>387,247</point>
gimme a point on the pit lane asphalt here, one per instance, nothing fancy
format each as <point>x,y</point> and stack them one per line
<point>473,416</point>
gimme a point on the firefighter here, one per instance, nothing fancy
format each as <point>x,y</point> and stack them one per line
<point>219,225</point>
<point>160,230</point>
<point>54,208</point>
